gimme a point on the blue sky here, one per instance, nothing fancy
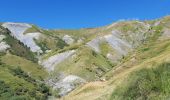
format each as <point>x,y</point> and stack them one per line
<point>73,14</point>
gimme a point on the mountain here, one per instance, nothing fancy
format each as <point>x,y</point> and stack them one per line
<point>123,60</point>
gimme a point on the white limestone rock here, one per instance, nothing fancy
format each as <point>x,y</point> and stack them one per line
<point>3,46</point>
<point>52,61</point>
<point>114,40</point>
<point>166,34</point>
<point>2,37</point>
<point>66,84</point>
<point>95,44</point>
<point>17,30</point>
<point>68,39</point>
<point>81,40</point>
<point>121,46</point>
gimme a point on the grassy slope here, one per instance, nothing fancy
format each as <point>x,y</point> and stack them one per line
<point>33,29</point>
<point>146,84</point>
<point>103,90</point>
<point>51,41</point>
<point>26,65</point>
<point>151,83</point>
<point>18,84</point>
<point>153,53</point>
<point>90,65</point>
<point>21,78</point>
<point>48,40</point>
<point>86,64</point>
<point>76,34</point>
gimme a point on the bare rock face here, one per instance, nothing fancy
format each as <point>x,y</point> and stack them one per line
<point>121,46</point>
<point>3,45</point>
<point>17,30</point>
<point>114,40</point>
<point>52,61</point>
<point>166,34</point>
<point>65,84</point>
<point>95,44</point>
<point>121,42</point>
<point>68,39</point>
<point>2,37</point>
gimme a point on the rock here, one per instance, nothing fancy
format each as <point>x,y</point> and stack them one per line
<point>80,40</point>
<point>3,45</point>
<point>95,44</point>
<point>166,34</point>
<point>117,44</point>
<point>2,37</point>
<point>17,30</point>
<point>120,43</point>
<point>52,61</point>
<point>68,39</point>
<point>121,46</point>
<point>157,23</point>
<point>66,84</point>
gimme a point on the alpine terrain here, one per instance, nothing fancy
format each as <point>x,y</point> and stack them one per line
<point>126,60</point>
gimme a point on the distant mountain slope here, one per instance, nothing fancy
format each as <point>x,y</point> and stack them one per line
<point>92,63</point>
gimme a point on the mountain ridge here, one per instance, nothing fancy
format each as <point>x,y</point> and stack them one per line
<point>77,58</point>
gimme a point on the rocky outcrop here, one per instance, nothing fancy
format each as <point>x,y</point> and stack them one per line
<point>121,42</point>
<point>52,61</point>
<point>68,39</point>
<point>65,84</point>
<point>3,45</point>
<point>17,30</point>
<point>95,44</point>
<point>114,40</point>
<point>166,34</point>
<point>119,45</point>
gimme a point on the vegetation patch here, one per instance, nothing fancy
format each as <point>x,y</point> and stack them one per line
<point>106,48</point>
<point>32,29</point>
<point>33,69</point>
<point>17,47</point>
<point>15,84</point>
<point>86,63</point>
<point>146,84</point>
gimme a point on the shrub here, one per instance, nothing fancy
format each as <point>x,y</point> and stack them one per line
<point>40,90</point>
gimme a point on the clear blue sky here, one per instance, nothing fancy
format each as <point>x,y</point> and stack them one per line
<point>69,14</point>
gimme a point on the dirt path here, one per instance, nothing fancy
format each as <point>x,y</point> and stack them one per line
<point>102,90</point>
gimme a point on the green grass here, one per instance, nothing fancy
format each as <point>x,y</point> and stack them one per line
<point>152,46</point>
<point>146,84</point>
<point>85,34</point>
<point>86,64</point>
<point>152,50</point>
<point>48,40</point>
<point>51,43</point>
<point>28,66</point>
<point>16,84</point>
<point>106,48</point>
<point>32,30</point>
<point>57,51</point>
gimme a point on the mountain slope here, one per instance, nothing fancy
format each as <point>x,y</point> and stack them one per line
<point>134,73</point>
<point>92,63</point>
